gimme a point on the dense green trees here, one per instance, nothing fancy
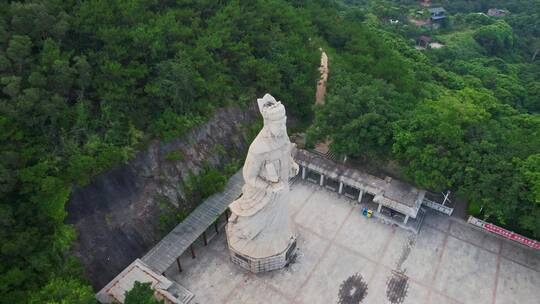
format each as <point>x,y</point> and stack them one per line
<point>85,83</point>
<point>471,142</point>
<point>463,117</point>
<point>496,38</point>
<point>64,291</point>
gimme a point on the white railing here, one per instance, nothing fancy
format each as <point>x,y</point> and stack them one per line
<point>438,207</point>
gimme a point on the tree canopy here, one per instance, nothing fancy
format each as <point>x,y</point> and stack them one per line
<point>141,293</point>
<point>85,84</point>
<point>462,117</point>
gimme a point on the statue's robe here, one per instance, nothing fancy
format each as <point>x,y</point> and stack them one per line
<point>260,225</point>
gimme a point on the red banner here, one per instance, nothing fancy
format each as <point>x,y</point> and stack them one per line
<point>511,235</point>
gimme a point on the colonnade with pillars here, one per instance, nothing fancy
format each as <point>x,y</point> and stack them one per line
<point>342,185</point>
<point>204,237</point>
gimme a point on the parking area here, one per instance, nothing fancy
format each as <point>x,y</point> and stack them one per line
<point>344,257</point>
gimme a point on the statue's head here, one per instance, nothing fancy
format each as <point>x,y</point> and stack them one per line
<point>273,113</point>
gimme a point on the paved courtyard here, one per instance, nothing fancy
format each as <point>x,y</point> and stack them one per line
<point>346,258</point>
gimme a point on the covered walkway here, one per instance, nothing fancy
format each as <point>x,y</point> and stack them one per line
<point>152,266</point>
<point>166,252</point>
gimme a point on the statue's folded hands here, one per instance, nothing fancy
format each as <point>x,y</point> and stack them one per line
<point>277,186</point>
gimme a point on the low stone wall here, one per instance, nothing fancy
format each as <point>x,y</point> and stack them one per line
<point>264,264</point>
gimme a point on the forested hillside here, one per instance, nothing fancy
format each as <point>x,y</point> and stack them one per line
<point>85,84</point>
<point>463,117</point>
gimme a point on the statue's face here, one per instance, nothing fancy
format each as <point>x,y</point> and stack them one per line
<point>278,128</point>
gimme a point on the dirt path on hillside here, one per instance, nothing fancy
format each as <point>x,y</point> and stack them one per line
<point>321,85</point>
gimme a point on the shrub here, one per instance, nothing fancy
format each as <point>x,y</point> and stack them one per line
<point>474,209</point>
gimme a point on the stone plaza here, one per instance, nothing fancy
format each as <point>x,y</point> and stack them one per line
<point>344,257</point>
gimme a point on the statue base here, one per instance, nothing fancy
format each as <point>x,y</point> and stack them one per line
<point>264,264</point>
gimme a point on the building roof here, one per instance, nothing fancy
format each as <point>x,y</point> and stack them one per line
<point>397,194</point>
<point>495,12</point>
<point>437,17</point>
<point>355,178</point>
<point>390,192</point>
<point>137,271</point>
<point>436,10</point>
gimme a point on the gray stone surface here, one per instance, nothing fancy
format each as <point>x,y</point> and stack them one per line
<point>211,276</point>
<point>376,235</point>
<point>116,216</point>
<point>310,248</point>
<point>260,293</point>
<point>414,293</point>
<point>475,236</point>
<point>521,287</point>
<point>316,212</point>
<point>324,283</point>
<point>447,263</point>
<point>521,254</point>
<point>437,221</point>
<point>421,261</point>
<point>467,273</point>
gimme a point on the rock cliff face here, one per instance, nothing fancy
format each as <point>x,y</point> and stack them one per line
<point>117,215</point>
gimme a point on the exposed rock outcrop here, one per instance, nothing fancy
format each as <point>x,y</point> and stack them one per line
<point>117,215</point>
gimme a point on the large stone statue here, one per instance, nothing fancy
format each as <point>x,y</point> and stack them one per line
<point>260,233</point>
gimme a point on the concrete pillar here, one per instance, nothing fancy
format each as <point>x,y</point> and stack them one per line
<point>360,195</point>
<point>303,172</point>
<point>406,219</point>
<point>178,264</point>
<point>379,208</point>
<point>340,187</point>
<point>321,182</point>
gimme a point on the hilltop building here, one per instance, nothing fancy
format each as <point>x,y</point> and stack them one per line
<point>495,12</point>
<point>437,14</point>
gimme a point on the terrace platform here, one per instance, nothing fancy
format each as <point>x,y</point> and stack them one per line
<point>344,257</point>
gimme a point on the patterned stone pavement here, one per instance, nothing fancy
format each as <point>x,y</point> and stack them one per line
<point>344,258</point>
